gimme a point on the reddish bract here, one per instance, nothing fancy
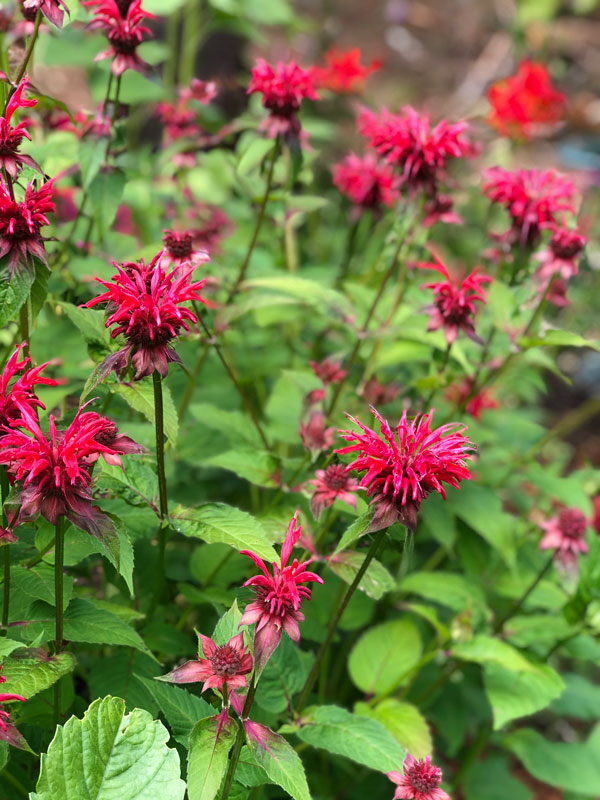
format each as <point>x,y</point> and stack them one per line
<point>227,664</point>
<point>53,10</point>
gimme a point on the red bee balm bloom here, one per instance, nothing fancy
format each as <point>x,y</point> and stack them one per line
<point>454,304</point>
<point>124,33</point>
<point>20,400</point>
<point>565,535</point>
<point>561,256</point>
<point>314,434</point>
<point>366,181</point>
<point>11,137</point>
<point>180,249</point>
<point>458,393</point>
<point>20,223</point>
<point>526,103</point>
<point>331,483</point>
<point>53,10</point>
<point>144,303</point>
<point>53,469</point>
<point>402,469</point>
<point>419,780</point>
<point>225,665</point>
<point>278,597</point>
<point>328,371</point>
<point>343,72</point>
<point>8,732</point>
<point>407,141</point>
<point>283,90</point>
<point>533,198</point>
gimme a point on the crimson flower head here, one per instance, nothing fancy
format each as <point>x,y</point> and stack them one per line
<point>409,142</point>
<point>53,10</point>
<point>107,434</point>
<point>11,136</point>
<point>53,470</point>
<point>278,597</point>
<point>367,181</point>
<point>283,88</point>
<point>227,664</point>
<point>376,393</point>
<point>562,255</point>
<point>21,223</point>
<point>331,483</point>
<point>314,433</point>
<point>328,371</point>
<point>453,307</point>
<point>534,200</point>
<point>8,732</point>
<point>145,304</point>
<point>459,392</point>
<point>419,780</point>
<point>125,32</point>
<point>402,467</point>
<point>565,534</point>
<point>526,103</point>
<point>180,248</point>
<point>343,73</point>
<point>19,399</point>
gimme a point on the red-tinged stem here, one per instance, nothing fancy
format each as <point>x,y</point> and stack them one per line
<point>239,741</point>
<point>59,557</point>
<point>376,544</point>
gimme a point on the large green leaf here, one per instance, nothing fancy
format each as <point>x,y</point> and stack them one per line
<point>109,754</point>
<point>86,622</point>
<point>448,589</point>
<point>518,694</point>
<point>181,708</point>
<point>29,672</point>
<point>218,522</point>
<point>376,581</point>
<point>278,758</point>
<point>38,583</point>
<point>228,625</point>
<point>14,290</point>
<point>354,531</point>
<point>140,396</point>
<point>210,743</point>
<point>404,721</point>
<point>359,738</point>
<point>580,699</point>
<point>487,650</point>
<point>303,291</point>
<point>104,193</point>
<point>383,655</point>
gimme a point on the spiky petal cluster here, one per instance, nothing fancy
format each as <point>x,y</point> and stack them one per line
<point>343,73</point>
<point>278,597</point>
<point>565,534</point>
<point>561,256</point>
<point>53,470</point>
<point>367,181</point>
<point>283,88</point>
<point>19,400</point>
<point>403,466</point>
<point>533,198</point>
<point>409,142</point>
<point>11,137</point>
<point>21,223</point>
<point>145,304</point>
<point>453,308</point>
<point>419,780</point>
<point>8,732</point>
<point>525,104</point>
<point>53,10</point>
<point>330,484</point>
<point>125,32</point>
<point>227,664</point>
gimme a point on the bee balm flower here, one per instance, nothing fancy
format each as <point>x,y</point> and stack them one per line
<point>419,780</point>
<point>19,399</point>
<point>403,466</point>
<point>343,73</point>
<point>11,136</point>
<point>367,181</point>
<point>331,483</point>
<point>8,732</point>
<point>125,32</point>
<point>21,223</point>
<point>53,10</point>
<point>283,88</point>
<point>565,534</point>
<point>561,256</point>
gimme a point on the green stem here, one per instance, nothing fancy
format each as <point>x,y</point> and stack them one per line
<point>24,322</point>
<point>159,427</point>
<point>520,602</point>
<point>191,38</point>
<point>348,253</point>
<point>59,557</point>
<point>28,54</point>
<point>333,623</point>
<point>257,227</point>
<point>237,748</point>
<point>6,548</point>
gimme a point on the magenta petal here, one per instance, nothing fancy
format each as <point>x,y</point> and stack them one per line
<point>190,672</point>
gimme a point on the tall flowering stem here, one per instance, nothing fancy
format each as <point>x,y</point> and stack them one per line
<point>376,545</point>
<point>6,551</point>
<point>59,558</point>
<point>159,427</point>
<point>237,748</point>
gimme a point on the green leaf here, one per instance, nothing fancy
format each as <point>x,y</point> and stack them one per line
<point>580,699</point>
<point>181,708</point>
<point>254,155</point>
<point>383,655</point>
<point>485,650</point>
<point>501,304</point>
<point>573,766</point>
<point>218,522</point>
<point>29,672</point>
<point>354,531</point>
<point>210,743</point>
<point>228,625</point>
<point>86,622</point>
<point>556,338</point>
<point>358,738</point>
<point>448,589</point>
<point>7,646</point>
<point>376,580</point>
<point>38,583</point>
<point>492,779</point>
<point>89,322</point>
<point>404,722</point>
<point>14,290</point>
<point>518,694</point>
<point>140,397</point>
<point>110,755</point>
<point>283,676</point>
<point>92,152</point>
<point>304,291</point>
<point>256,466</point>
<point>233,424</point>
<point>104,193</point>
<point>278,758</point>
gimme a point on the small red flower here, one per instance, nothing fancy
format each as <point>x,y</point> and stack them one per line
<point>419,780</point>
<point>331,483</point>
<point>124,33</point>
<point>454,301</point>
<point>533,198</point>
<point>328,371</point>
<point>565,534</point>
<point>278,597</point>
<point>180,249</point>
<point>8,732</point>
<point>21,223</point>
<point>366,180</point>
<point>376,394</point>
<point>440,209</point>
<point>458,393</point>
<point>53,10</point>
<point>314,433</point>
<point>407,141</point>
<point>526,103</point>
<point>283,88</point>
<point>401,469</point>
<point>19,400</point>
<point>561,256</point>
<point>343,73</point>
<point>225,665</point>
<point>144,303</point>
<point>11,137</point>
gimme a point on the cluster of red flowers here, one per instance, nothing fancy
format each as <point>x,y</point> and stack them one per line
<point>343,73</point>
<point>123,23</point>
